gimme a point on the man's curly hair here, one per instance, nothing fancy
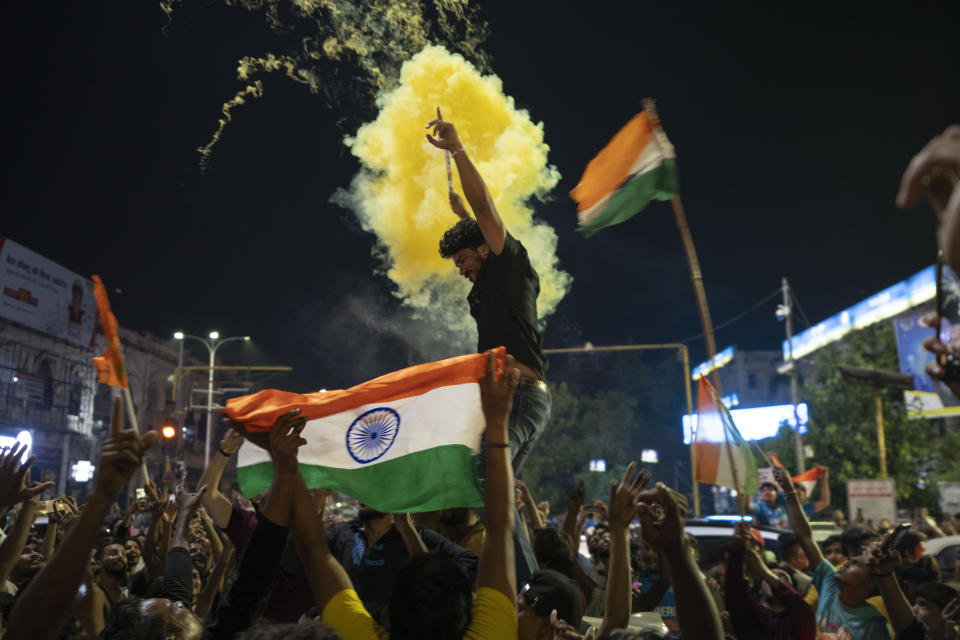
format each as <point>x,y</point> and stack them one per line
<point>465,234</point>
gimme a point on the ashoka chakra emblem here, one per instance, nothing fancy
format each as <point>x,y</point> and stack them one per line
<point>372,434</point>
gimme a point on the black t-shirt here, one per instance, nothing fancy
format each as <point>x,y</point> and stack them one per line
<point>503,301</point>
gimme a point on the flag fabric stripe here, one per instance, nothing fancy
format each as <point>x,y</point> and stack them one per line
<point>402,442</point>
<point>611,167</point>
<point>401,485</point>
<point>109,366</point>
<point>723,457</point>
<point>628,201</point>
<point>637,165</point>
<point>434,419</point>
<point>647,160</point>
<point>259,411</point>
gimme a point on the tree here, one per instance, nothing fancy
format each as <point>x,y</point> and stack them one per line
<point>843,427</point>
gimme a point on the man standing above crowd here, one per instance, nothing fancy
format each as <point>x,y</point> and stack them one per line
<point>503,300</point>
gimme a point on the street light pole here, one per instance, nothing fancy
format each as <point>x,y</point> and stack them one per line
<point>212,345</point>
<point>786,312</point>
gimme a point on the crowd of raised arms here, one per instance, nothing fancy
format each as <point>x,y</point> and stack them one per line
<point>187,562</point>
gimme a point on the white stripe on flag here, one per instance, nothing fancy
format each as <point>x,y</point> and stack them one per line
<point>443,416</point>
<point>651,156</point>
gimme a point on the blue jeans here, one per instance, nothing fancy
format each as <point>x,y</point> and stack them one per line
<point>528,420</point>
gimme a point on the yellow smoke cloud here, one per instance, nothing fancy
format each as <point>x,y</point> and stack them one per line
<point>401,192</point>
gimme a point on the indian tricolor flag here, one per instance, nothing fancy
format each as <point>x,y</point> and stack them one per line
<point>723,457</point>
<point>638,165</point>
<point>403,442</point>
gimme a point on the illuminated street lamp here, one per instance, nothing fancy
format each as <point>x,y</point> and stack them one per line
<point>212,345</point>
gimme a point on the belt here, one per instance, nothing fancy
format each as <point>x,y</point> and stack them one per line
<point>536,383</point>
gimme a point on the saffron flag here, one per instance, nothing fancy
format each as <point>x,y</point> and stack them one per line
<point>403,442</point>
<point>808,478</point>
<point>723,457</point>
<point>637,165</point>
<point>110,369</point>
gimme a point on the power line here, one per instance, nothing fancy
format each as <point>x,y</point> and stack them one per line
<point>740,315</point>
<point>796,301</point>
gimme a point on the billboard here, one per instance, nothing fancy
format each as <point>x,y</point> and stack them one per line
<point>928,398</point>
<point>42,295</point>
<point>914,291</point>
<point>756,423</point>
<point>875,498</point>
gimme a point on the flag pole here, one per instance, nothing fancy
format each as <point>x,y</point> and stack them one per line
<point>132,416</point>
<point>727,436</point>
<point>695,274</point>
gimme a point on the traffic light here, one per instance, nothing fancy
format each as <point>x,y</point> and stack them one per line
<point>168,431</point>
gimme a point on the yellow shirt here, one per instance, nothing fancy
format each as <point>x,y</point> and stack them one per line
<point>494,617</point>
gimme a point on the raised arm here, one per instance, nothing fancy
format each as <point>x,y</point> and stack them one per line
<point>496,569</point>
<point>798,519</point>
<point>697,612</point>
<point>574,502</point>
<point>258,564</point>
<point>217,504</point>
<point>623,508</point>
<point>41,609</point>
<point>12,545</point>
<point>883,571</point>
<point>445,137</point>
<point>411,539</point>
<point>824,500</point>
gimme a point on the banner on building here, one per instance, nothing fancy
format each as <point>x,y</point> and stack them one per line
<point>928,398</point>
<point>874,498</point>
<point>42,295</point>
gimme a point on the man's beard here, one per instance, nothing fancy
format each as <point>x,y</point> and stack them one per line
<point>118,570</point>
<point>601,553</point>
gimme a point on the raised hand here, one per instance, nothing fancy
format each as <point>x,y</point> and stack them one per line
<point>456,203</point>
<point>783,479</point>
<point>662,512</point>
<point>120,455</point>
<point>14,486</point>
<point>933,172</point>
<point>187,503</point>
<point>285,440</point>
<point>232,440</point>
<point>444,135</point>
<point>625,497</point>
<point>496,395</point>
<point>576,497</point>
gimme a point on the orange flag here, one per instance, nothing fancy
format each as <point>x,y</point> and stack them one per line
<point>110,369</point>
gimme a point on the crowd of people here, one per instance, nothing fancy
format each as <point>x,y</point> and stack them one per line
<point>190,562</point>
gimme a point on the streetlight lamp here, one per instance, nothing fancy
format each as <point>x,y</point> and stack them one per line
<point>212,344</point>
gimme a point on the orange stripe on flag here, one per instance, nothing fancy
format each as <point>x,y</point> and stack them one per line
<point>259,411</point>
<point>708,453</point>
<point>110,369</point>
<point>609,169</point>
<point>774,459</point>
<point>810,475</point>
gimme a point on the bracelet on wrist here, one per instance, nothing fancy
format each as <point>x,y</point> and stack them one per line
<point>224,453</point>
<point>454,153</point>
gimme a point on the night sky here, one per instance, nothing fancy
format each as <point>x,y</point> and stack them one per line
<point>792,126</point>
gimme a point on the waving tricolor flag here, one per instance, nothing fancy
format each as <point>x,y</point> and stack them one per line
<point>404,442</point>
<point>638,165</point>
<point>723,457</point>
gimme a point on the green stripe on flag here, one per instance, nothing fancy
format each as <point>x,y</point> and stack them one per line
<point>428,480</point>
<point>657,184</point>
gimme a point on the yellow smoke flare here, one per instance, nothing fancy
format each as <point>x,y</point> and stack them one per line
<point>254,90</point>
<point>401,192</point>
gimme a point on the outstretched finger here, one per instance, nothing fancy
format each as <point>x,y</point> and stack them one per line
<point>643,478</point>
<point>25,468</point>
<point>439,117</point>
<point>36,489</point>
<point>628,473</point>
